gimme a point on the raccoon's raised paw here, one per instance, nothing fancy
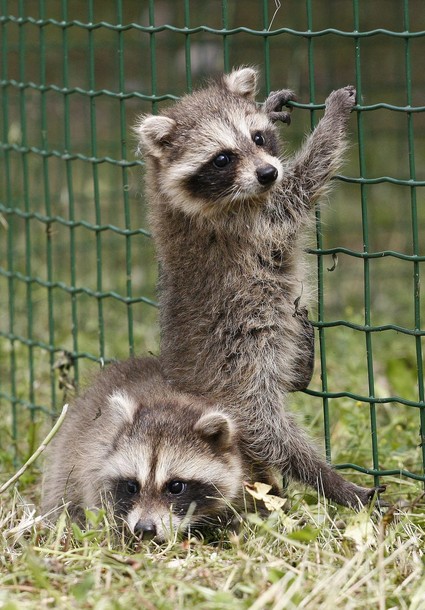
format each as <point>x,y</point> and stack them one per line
<point>274,104</point>
<point>342,99</point>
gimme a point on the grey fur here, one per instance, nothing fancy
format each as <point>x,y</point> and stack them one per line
<point>231,269</point>
<point>131,425</point>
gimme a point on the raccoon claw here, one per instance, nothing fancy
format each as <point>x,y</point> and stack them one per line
<point>372,497</point>
<point>274,104</point>
<point>285,117</point>
<point>374,493</point>
<point>378,490</point>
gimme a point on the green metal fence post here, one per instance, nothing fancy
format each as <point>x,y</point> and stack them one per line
<point>319,242</point>
<point>47,200</point>
<point>70,188</point>
<point>415,234</point>
<point>95,175</point>
<point>366,261</point>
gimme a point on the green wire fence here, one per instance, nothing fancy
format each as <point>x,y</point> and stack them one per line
<point>77,267</point>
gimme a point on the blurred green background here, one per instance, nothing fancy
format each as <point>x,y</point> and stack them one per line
<point>77,266</point>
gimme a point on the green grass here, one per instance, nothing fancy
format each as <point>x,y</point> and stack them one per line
<point>310,557</point>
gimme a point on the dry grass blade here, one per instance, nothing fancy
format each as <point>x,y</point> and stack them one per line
<point>38,452</point>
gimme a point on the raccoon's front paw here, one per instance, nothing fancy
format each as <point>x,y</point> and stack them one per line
<point>274,104</point>
<point>341,100</point>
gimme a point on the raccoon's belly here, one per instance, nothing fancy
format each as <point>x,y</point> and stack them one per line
<point>240,343</point>
<point>261,345</point>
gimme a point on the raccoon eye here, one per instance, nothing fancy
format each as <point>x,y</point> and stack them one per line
<point>176,487</point>
<point>221,160</point>
<point>258,139</point>
<point>132,487</point>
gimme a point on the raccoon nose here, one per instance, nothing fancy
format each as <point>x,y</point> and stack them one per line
<point>145,530</point>
<point>267,174</point>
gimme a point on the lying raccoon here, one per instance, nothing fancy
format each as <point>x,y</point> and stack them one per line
<point>226,212</point>
<point>159,459</point>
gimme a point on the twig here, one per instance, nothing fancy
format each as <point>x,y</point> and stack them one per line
<point>40,450</point>
<point>278,6</point>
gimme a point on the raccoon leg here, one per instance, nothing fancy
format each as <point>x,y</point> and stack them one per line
<point>317,473</point>
<point>285,446</point>
<point>274,104</point>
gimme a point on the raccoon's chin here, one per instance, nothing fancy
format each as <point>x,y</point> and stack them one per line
<point>255,191</point>
<point>250,196</point>
<point>261,192</point>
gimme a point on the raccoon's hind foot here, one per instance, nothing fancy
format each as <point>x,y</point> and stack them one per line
<point>358,497</point>
<point>310,469</point>
<point>341,100</point>
<point>275,102</point>
<point>372,496</point>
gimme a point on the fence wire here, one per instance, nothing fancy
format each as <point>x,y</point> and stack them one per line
<point>77,269</point>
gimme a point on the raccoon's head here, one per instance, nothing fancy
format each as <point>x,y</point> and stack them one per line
<point>172,466</point>
<point>215,150</point>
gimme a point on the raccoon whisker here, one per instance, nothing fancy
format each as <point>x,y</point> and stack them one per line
<point>230,194</point>
<point>234,193</point>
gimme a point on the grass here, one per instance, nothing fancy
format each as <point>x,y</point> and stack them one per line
<point>310,557</point>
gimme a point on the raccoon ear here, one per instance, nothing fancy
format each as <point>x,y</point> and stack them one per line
<point>154,132</point>
<point>216,428</point>
<point>242,82</point>
<point>122,406</point>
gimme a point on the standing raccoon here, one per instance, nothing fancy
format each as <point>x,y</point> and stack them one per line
<point>226,212</point>
<point>159,459</point>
